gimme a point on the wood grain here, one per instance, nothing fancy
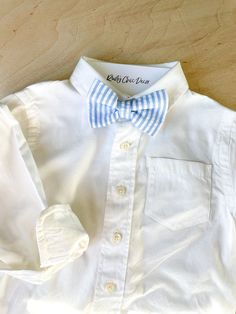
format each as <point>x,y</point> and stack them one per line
<point>43,40</point>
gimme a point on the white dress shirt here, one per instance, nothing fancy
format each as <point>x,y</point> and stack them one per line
<point>111,219</point>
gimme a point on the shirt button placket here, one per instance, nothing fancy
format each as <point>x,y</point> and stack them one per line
<point>125,145</point>
<point>110,287</point>
<point>121,190</point>
<point>113,258</point>
<point>116,237</point>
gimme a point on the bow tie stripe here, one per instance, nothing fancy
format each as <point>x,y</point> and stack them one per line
<point>101,97</point>
<point>98,95</point>
<point>146,112</point>
<point>146,115</point>
<point>154,120</point>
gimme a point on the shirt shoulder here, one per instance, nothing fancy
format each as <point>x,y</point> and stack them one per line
<point>26,105</point>
<point>200,113</point>
<point>210,117</point>
<point>210,106</point>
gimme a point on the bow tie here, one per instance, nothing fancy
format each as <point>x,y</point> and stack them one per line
<point>146,112</point>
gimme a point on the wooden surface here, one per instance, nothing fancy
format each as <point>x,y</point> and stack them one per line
<point>43,39</point>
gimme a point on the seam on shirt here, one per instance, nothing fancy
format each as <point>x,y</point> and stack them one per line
<point>223,159</point>
<point>32,113</point>
<point>232,135</point>
<point>26,155</point>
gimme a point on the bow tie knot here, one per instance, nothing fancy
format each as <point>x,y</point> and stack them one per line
<point>146,112</point>
<point>124,109</point>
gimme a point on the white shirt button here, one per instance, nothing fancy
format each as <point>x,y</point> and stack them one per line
<point>110,287</point>
<point>121,190</point>
<point>116,237</point>
<point>125,145</point>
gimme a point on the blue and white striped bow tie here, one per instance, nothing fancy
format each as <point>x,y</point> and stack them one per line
<point>146,112</point>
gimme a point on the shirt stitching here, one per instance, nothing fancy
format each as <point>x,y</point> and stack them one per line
<point>231,134</point>
<point>33,122</point>
<point>223,159</point>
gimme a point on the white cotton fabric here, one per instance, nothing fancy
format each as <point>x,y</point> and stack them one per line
<point>111,219</point>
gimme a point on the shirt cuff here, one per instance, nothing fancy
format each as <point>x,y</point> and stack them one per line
<point>60,236</point>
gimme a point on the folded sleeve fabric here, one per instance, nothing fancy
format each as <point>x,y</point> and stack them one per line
<point>36,240</point>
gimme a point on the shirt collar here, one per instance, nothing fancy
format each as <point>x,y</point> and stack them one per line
<point>173,80</point>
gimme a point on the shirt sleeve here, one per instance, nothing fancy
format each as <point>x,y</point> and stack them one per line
<point>36,240</point>
<point>232,166</point>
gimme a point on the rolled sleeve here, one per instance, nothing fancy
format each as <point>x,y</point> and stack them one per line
<point>60,235</point>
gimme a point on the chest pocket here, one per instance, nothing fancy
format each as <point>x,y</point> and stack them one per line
<point>178,192</point>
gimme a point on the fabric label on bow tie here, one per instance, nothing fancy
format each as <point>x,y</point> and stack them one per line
<point>126,79</point>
